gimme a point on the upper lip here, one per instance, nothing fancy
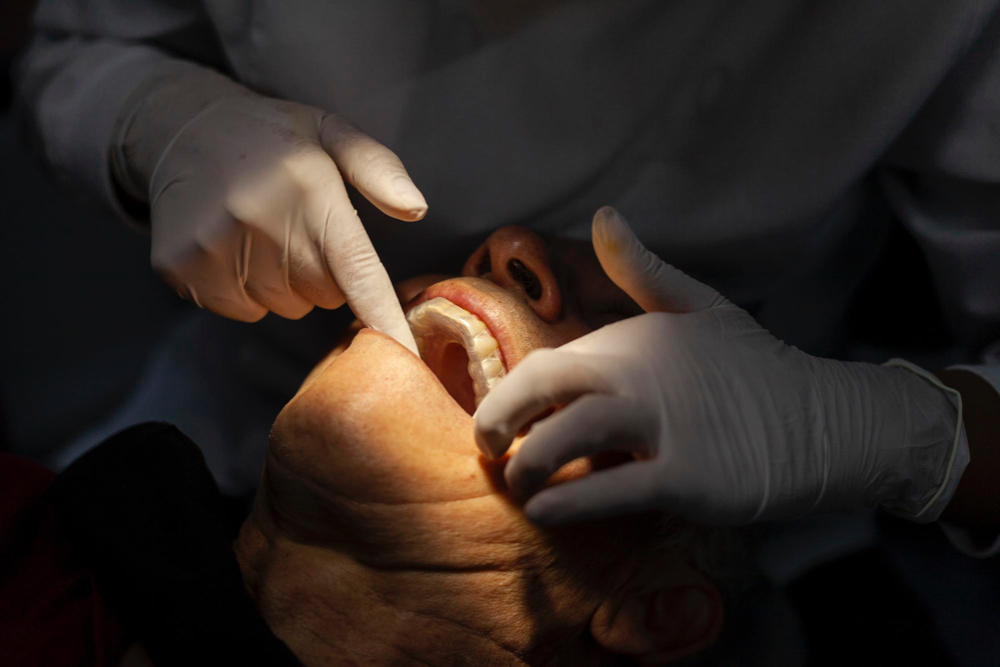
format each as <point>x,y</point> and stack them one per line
<point>468,297</point>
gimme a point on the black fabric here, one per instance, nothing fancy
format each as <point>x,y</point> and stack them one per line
<point>855,611</point>
<point>149,520</point>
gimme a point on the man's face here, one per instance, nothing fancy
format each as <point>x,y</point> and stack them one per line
<point>380,536</point>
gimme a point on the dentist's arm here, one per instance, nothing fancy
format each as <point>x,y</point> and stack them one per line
<point>249,208</point>
<point>728,425</point>
<point>246,194</point>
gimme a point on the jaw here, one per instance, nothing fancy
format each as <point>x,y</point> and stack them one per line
<point>381,390</point>
<point>332,609</point>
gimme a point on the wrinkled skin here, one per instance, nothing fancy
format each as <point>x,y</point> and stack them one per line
<point>380,536</point>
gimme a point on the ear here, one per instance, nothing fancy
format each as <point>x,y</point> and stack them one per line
<point>664,613</point>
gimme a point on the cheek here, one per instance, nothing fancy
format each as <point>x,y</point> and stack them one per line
<point>376,425</point>
<point>529,333</point>
<point>320,603</point>
<point>345,342</point>
<point>366,448</point>
<point>570,328</point>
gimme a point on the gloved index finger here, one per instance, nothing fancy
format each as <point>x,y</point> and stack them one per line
<point>378,308</point>
<point>372,168</point>
<point>357,269</point>
<point>368,290</point>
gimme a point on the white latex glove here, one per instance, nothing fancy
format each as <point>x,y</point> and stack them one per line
<point>248,204</point>
<point>728,424</point>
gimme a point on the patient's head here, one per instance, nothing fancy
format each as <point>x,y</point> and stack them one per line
<point>380,536</point>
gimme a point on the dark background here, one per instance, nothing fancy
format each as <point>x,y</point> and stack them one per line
<point>80,307</point>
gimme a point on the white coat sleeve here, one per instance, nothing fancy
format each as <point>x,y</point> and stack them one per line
<point>942,179</point>
<point>85,59</point>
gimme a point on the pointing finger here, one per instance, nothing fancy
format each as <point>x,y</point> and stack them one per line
<point>352,260</point>
<point>373,169</point>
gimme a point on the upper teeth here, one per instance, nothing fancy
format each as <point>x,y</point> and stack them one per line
<point>444,319</point>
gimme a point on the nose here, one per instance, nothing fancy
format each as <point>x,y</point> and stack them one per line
<point>517,259</point>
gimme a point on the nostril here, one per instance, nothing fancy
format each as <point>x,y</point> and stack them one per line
<point>526,277</point>
<point>517,259</point>
<point>485,265</point>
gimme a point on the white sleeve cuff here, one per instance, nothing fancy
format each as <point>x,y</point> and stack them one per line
<point>956,462</point>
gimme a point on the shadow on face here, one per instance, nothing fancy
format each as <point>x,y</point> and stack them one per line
<point>380,536</point>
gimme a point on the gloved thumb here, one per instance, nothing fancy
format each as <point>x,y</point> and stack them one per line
<point>652,283</point>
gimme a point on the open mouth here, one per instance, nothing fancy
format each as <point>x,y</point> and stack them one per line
<point>458,348</point>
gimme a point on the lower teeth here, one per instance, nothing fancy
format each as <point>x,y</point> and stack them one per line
<point>442,318</point>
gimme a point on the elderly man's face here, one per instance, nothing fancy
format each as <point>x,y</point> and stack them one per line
<point>380,536</point>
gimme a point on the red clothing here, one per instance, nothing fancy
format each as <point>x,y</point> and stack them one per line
<point>135,530</point>
<point>51,611</point>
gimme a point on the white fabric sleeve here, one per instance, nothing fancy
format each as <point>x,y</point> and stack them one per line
<point>75,113</point>
<point>942,180</point>
<point>86,57</point>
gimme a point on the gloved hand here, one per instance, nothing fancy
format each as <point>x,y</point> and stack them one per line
<point>727,424</point>
<point>248,204</point>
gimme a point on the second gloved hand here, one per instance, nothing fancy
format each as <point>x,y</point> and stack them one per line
<point>727,424</point>
<point>249,209</point>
